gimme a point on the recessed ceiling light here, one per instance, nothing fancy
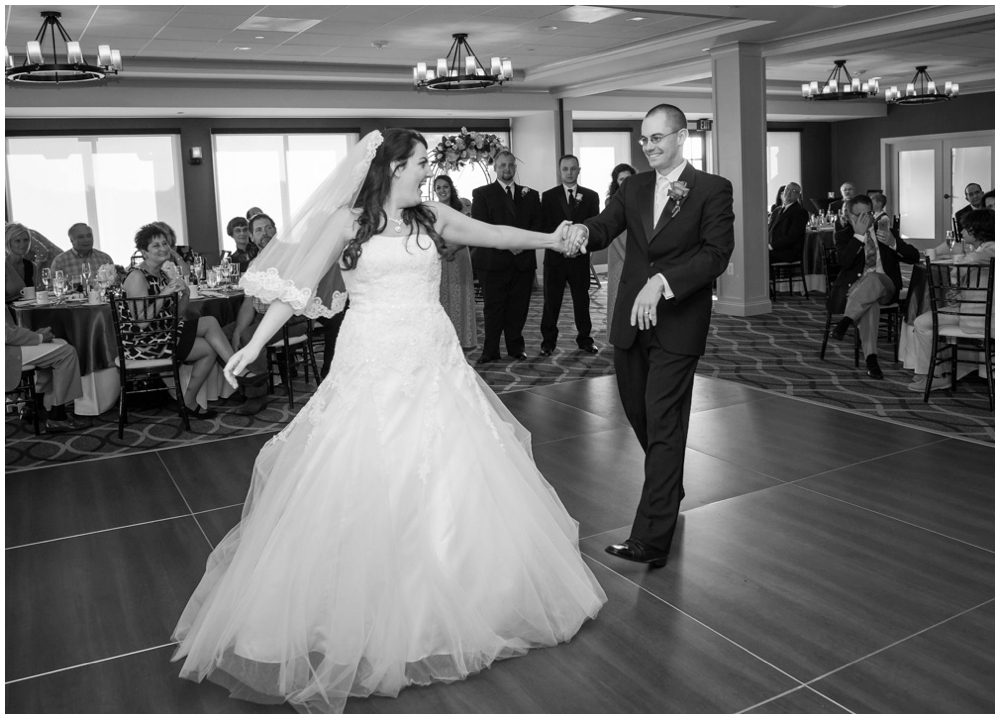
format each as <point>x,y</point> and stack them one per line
<point>241,49</point>
<point>637,18</point>
<point>548,27</point>
<point>379,44</point>
<point>259,37</point>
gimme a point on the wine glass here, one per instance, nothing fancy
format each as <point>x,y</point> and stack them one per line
<point>85,276</point>
<point>46,277</point>
<point>949,237</point>
<point>225,269</point>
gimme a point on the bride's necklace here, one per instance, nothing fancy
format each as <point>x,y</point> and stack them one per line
<point>398,223</point>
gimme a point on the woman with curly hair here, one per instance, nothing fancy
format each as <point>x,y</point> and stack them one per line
<point>616,251</point>
<point>397,531</point>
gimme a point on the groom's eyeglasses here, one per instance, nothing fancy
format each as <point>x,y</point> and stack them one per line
<point>657,139</point>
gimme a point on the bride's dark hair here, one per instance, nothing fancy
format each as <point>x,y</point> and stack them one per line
<point>398,145</point>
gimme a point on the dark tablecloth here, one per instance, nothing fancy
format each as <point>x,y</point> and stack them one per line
<point>90,329</point>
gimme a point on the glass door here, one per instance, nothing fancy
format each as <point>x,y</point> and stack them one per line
<point>926,179</point>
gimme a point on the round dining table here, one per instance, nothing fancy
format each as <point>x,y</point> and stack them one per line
<point>90,330</point>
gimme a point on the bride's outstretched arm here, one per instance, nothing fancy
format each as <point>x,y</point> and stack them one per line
<point>460,229</point>
<point>278,313</point>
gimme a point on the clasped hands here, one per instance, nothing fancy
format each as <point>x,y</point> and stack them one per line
<point>572,238</point>
<point>862,223</point>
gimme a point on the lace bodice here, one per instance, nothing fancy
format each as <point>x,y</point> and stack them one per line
<point>394,272</point>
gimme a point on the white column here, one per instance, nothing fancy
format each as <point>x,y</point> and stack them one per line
<point>739,142</point>
<point>534,139</point>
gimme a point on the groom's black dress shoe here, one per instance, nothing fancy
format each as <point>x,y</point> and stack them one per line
<point>546,351</point>
<point>636,551</point>
<point>484,359</point>
<point>591,349</point>
<point>518,355</point>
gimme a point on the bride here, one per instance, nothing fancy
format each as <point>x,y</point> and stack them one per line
<point>397,531</point>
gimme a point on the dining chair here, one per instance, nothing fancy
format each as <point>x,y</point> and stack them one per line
<point>787,272</point>
<point>156,336</point>
<point>135,259</point>
<point>25,393</point>
<point>890,316</point>
<point>282,354</point>
<point>595,281</point>
<point>961,301</point>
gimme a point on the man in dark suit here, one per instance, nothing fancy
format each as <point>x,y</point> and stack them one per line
<point>974,194</point>
<point>506,276</point>
<point>680,237</point>
<point>567,201</point>
<point>847,191</point>
<point>869,257</point>
<point>786,228</point>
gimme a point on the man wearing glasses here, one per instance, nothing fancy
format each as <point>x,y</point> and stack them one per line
<point>869,257</point>
<point>786,230</point>
<point>680,237</point>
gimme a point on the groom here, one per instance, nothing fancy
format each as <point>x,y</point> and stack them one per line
<point>680,237</point>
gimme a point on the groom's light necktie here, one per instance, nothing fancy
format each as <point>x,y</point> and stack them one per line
<point>661,197</point>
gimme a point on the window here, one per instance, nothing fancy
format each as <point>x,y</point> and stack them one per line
<point>784,164</point>
<point>469,177</point>
<point>599,153</point>
<point>694,149</point>
<point>276,173</point>
<point>115,184</point>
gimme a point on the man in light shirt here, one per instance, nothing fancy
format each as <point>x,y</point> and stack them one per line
<point>71,261</point>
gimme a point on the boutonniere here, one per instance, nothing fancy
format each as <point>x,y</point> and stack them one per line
<point>525,191</point>
<point>577,197</point>
<point>677,191</point>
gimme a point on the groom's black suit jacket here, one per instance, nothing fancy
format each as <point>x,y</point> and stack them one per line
<point>690,249</point>
<point>491,205</point>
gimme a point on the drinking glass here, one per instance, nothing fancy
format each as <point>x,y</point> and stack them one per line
<point>85,276</point>
<point>949,237</point>
<point>46,277</point>
<point>59,285</point>
<point>213,277</point>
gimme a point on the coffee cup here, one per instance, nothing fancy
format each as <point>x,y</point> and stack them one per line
<point>94,297</point>
<point>931,255</point>
<point>28,293</point>
<point>43,298</point>
<point>195,292</point>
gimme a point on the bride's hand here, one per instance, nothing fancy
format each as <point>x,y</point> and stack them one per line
<point>237,364</point>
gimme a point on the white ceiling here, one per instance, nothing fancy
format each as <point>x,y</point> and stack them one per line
<point>572,52</point>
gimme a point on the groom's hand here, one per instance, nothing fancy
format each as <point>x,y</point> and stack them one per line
<point>576,240</point>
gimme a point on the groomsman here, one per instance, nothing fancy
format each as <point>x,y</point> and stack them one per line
<point>567,201</point>
<point>506,276</point>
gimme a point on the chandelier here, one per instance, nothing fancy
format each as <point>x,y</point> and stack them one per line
<point>35,69</point>
<point>461,70</point>
<point>840,86</point>
<point>921,90</point>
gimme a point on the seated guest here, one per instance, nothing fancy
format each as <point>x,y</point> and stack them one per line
<point>778,202</point>
<point>262,230</point>
<point>847,191</point>
<point>41,251</point>
<point>71,261</point>
<point>175,257</point>
<point>239,229</point>
<point>786,230</point>
<point>990,200</point>
<point>878,207</point>
<point>869,276</point>
<point>199,340</point>
<point>978,230</point>
<point>974,194</point>
<point>18,242</point>
<point>57,371</point>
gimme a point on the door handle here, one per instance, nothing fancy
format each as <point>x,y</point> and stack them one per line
<point>947,196</point>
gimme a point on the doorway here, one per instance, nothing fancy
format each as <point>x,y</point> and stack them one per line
<point>926,177</point>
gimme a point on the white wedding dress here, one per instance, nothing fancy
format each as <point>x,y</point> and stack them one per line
<point>397,531</point>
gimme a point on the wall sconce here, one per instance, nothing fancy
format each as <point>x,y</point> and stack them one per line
<point>195,156</point>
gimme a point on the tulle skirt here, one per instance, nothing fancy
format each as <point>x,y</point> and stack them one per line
<point>396,532</point>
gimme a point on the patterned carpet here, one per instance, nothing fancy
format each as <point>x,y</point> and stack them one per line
<point>778,352</point>
<point>161,428</point>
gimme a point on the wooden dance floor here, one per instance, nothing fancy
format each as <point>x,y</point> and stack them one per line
<point>825,562</point>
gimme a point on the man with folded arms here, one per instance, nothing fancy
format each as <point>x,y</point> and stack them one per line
<point>786,231</point>
<point>869,276</point>
<point>57,371</point>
